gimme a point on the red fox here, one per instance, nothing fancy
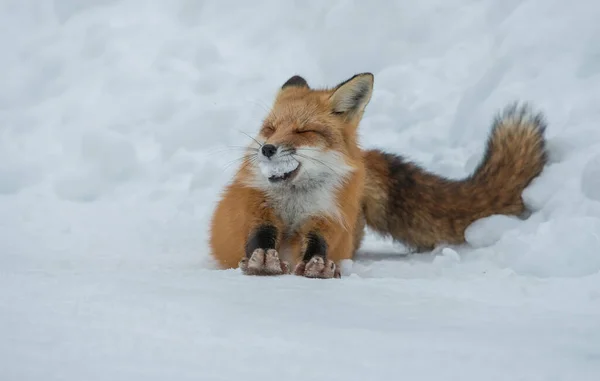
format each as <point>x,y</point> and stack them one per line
<point>301,199</point>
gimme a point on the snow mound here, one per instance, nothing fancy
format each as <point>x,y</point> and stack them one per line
<point>487,231</point>
<point>567,247</point>
<point>590,180</point>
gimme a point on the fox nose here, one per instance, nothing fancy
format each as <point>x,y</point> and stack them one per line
<point>269,150</point>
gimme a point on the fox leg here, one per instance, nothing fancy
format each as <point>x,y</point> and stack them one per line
<point>314,263</point>
<point>324,246</point>
<point>245,233</point>
<point>261,257</point>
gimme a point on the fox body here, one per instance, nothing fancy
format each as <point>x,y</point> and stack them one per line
<point>301,199</point>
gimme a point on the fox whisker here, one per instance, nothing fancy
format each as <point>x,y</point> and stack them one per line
<point>316,161</point>
<point>248,162</point>
<point>256,141</point>
<point>310,149</point>
<point>246,158</point>
<point>233,148</point>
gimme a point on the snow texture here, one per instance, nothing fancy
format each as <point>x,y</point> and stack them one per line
<point>278,168</point>
<point>118,126</point>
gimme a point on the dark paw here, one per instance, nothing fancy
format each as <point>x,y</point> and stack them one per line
<point>261,263</point>
<point>318,267</point>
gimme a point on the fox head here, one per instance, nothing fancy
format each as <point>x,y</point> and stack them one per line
<point>309,137</point>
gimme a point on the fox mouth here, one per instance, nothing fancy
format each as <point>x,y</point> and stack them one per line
<point>279,170</point>
<point>285,176</point>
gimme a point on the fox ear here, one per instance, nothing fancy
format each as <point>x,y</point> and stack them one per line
<point>297,81</point>
<point>352,96</point>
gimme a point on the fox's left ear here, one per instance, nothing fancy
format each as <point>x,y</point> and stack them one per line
<point>352,96</point>
<point>296,81</point>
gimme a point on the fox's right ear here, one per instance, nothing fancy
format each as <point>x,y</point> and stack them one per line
<point>296,81</point>
<point>352,96</point>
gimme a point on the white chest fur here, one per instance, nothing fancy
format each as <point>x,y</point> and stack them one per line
<point>295,205</point>
<point>314,191</point>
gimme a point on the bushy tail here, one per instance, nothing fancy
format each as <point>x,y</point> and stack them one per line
<point>423,209</point>
<point>515,152</point>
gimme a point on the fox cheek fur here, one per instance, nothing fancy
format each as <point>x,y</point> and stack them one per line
<point>301,200</point>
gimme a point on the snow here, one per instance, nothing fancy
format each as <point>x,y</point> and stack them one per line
<point>118,122</point>
<point>278,169</point>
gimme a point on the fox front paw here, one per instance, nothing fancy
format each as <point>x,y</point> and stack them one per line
<point>318,267</point>
<point>264,263</point>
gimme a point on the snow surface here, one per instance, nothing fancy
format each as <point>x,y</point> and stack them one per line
<point>117,120</point>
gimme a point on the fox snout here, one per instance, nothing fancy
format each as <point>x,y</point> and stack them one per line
<point>272,151</point>
<point>277,163</point>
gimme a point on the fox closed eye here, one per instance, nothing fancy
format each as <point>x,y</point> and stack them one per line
<point>321,134</point>
<point>267,130</point>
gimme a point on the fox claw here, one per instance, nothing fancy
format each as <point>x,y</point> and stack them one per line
<point>264,263</point>
<point>318,267</point>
